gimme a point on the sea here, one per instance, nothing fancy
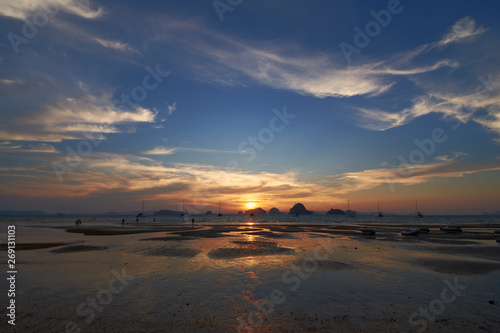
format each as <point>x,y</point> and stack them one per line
<point>149,220</point>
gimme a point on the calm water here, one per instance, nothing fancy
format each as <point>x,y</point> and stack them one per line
<point>242,219</point>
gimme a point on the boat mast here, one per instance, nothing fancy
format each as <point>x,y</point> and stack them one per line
<point>219,210</point>
<point>183,213</point>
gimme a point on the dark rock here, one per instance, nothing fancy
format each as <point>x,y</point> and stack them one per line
<point>274,211</point>
<point>255,211</point>
<point>335,212</point>
<point>209,212</point>
<point>299,208</point>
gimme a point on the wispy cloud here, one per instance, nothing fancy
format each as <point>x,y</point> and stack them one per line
<point>10,82</point>
<point>463,30</point>
<point>171,108</point>
<point>115,45</point>
<point>462,107</point>
<point>223,60</point>
<point>491,121</point>
<point>31,148</point>
<point>160,151</point>
<point>23,134</point>
<point>76,118</point>
<point>170,151</point>
<point>89,110</point>
<point>23,9</point>
<point>442,167</point>
<point>134,178</point>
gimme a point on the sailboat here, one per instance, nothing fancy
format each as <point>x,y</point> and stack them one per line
<point>417,213</point>
<point>379,214</point>
<point>219,210</point>
<point>349,212</point>
<point>183,213</point>
<point>141,214</point>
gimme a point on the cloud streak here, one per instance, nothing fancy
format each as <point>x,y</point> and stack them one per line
<point>140,178</point>
<point>462,107</point>
<point>73,118</point>
<point>170,151</point>
<point>462,31</point>
<point>115,45</point>
<point>227,61</point>
<point>22,9</point>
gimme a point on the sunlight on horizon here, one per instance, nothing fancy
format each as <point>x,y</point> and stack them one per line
<point>250,205</point>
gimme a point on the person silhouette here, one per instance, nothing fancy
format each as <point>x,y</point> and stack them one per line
<point>192,223</point>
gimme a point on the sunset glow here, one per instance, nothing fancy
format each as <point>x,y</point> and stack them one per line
<point>192,107</point>
<point>250,205</point>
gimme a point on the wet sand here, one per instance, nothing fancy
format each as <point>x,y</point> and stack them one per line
<point>258,278</point>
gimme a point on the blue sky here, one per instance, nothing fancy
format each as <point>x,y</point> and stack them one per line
<point>106,104</point>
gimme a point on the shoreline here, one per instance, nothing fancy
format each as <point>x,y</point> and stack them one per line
<point>214,278</point>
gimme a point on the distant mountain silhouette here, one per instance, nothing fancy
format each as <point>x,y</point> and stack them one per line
<point>299,208</point>
<point>209,212</point>
<point>21,212</point>
<point>240,213</point>
<point>167,212</point>
<point>335,212</point>
<point>255,211</point>
<point>274,211</point>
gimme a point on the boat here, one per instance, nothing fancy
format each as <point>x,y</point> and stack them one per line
<point>349,212</point>
<point>379,214</point>
<point>183,213</point>
<point>142,213</point>
<point>219,210</point>
<point>417,213</point>
<point>453,230</point>
<point>367,231</point>
<point>424,230</point>
<point>410,232</point>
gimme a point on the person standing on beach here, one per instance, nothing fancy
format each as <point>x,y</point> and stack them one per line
<point>192,223</point>
<point>123,222</point>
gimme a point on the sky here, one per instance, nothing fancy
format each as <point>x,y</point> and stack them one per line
<point>105,104</point>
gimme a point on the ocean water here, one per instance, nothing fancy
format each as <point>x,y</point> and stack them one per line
<point>107,220</point>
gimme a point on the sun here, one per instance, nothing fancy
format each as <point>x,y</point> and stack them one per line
<point>250,205</point>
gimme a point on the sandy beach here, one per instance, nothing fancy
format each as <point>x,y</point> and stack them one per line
<point>256,278</point>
